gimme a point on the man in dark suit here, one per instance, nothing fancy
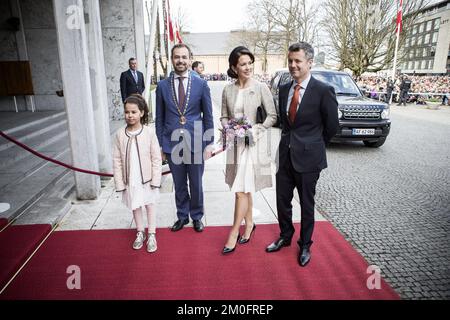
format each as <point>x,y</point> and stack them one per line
<point>405,86</point>
<point>185,129</point>
<point>131,81</point>
<point>309,118</point>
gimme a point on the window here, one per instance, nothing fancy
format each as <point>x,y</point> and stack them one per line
<point>424,64</point>
<point>421,27</point>
<point>437,22</point>
<point>417,65</point>
<point>432,51</point>
<point>419,52</point>
<point>411,54</point>
<point>414,29</point>
<point>435,37</point>
<point>427,38</point>
<point>429,25</point>
<point>411,65</point>
<point>431,64</point>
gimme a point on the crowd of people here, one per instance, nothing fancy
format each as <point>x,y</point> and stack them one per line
<point>421,89</point>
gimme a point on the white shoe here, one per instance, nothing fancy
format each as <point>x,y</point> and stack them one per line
<point>139,242</point>
<point>152,246</point>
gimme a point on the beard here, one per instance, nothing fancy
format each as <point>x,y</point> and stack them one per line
<point>181,67</point>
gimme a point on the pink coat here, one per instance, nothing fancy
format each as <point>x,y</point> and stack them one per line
<point>149,154</point>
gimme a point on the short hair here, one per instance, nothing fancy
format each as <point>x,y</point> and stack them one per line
<point>196,63</point>
<point>181,45</point>
<point>234,58</point>
<point>131,59</point>
<point>305,46</point>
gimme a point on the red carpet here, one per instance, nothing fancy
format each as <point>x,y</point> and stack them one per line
<point>189,265</point>
<point>3,222</point>
<point>17,243</point>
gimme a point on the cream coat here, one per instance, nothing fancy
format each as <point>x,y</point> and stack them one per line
<point>258,94</point>
<point>149,154</point>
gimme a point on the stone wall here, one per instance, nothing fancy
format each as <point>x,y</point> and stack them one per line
<point>119,45</point>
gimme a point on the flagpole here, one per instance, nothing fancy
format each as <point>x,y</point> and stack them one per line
<point>151,49</point>
<point>398,23</point>
<point>169,41</point>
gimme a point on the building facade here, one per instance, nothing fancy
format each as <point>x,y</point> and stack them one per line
<point>427,45</point>
<point>213,49</point>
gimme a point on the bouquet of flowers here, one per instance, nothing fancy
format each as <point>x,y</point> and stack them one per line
<point>236,131</point>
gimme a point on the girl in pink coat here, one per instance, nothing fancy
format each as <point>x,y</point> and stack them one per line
<point>137,168</point>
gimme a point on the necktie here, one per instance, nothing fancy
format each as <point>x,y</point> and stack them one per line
<point>294,103</point>
<point>181,93</point>
<point>135,76</point>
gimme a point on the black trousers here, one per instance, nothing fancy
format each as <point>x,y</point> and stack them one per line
<point>287,179</point>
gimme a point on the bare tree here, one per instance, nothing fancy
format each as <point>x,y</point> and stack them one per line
<point>362,33</point>
<point>261,18</point>
<point>183,19</point>
<point>296,21</point>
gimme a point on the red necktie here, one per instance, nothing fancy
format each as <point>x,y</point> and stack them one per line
<point>181,93</point>
<point>294,103</point>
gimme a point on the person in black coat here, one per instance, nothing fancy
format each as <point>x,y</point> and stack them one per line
<point>131,81</point>
<point>405,86</point>
<point>309,119</point>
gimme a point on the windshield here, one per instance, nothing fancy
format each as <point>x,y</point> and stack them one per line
<point>343,84</point>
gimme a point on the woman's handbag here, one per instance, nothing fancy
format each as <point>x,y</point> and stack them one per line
<point>261,114</point>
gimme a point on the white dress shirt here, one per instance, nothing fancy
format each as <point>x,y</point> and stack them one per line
<point>303,86</point>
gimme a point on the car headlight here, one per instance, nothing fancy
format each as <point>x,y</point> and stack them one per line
<point>385,113</point>
<point>339,114</point>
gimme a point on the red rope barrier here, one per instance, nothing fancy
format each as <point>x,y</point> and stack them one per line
<point>40,155</point>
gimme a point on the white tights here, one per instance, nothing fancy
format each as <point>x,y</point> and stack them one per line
<point>139,219</point>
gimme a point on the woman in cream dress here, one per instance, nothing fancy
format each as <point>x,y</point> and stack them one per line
<point>248,168</point>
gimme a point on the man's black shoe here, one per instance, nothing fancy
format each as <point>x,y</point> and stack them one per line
<point>304,257</point>
<point>277,245</point>
<point>198,225</point>
<point>179,224</point>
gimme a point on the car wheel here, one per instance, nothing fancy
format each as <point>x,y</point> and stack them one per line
<point>375,144</point>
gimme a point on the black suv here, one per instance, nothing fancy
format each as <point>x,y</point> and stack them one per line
<point>360,118</point>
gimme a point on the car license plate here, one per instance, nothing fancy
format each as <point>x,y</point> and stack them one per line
<point>363,132</point>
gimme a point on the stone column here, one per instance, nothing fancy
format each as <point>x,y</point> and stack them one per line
<point>73,56</point>
<point>98,84</point>
<point>139,37</point>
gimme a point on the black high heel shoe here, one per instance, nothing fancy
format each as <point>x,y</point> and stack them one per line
<point>242,240</point>
<point>230,250</point>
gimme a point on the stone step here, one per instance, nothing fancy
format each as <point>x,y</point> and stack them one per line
<point>10,123</point>
<point>25,193</point>
<point>34,129</point>
<point>16,172</point>
<point>53,206</point>
<point>38,143</point>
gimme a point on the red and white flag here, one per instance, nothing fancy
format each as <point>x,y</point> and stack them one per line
<point>169,24</point>
<point>178,34</point>
<point>399,17</point>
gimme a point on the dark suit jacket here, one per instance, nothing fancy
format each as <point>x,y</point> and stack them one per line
<point>199,115</point>
<point>128,86</point>
<point>315,124</point>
